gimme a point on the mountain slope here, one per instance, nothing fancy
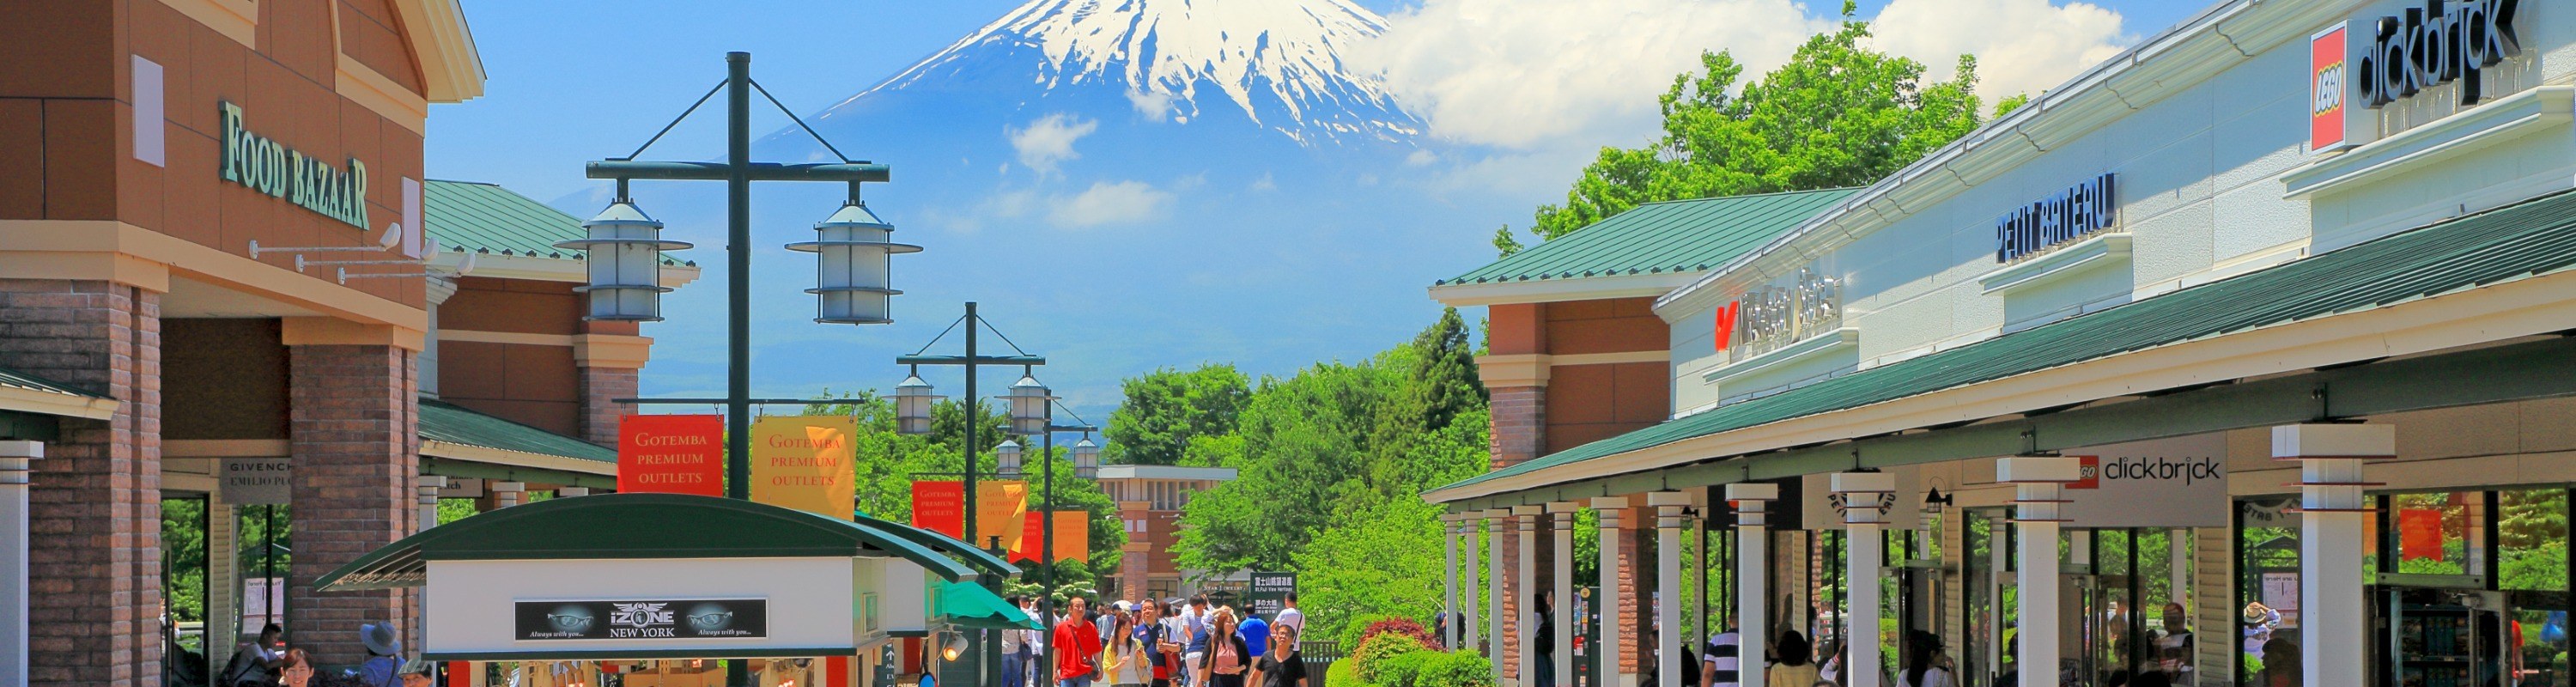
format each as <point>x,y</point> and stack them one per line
<point>1276,62</point>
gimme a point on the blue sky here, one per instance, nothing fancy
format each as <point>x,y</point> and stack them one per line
<point>576,81</point>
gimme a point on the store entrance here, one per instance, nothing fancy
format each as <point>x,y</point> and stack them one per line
<point>2445,637</point>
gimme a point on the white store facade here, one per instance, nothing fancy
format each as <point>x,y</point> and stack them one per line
<point>2263,317</point>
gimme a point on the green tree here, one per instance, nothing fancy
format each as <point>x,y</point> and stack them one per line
<point>1836,115</point>
<point>1164,410</point>
<point>1372,563</point>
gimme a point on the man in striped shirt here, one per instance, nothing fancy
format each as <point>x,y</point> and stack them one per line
<point>1718,666</point>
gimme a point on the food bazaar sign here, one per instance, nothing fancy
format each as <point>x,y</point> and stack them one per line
<point>2360,65</point>
<point>264,165</point>
<point>1785,311</point>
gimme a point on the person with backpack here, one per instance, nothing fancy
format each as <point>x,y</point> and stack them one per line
<point>257,663</point>
<point>382,667</point>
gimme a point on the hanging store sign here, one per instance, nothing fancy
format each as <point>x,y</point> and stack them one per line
<point>804,462</point>
<point>1785,311</point>
<point>671,454</point>
<point>257,481</point>
<point>264,165</point>
<point>643,620</point>
<point>2180,482</point>
<point>940,507</point>
<point>2069,215</point>
<point>2331,125</point>
<point>1001,510</point>
<point>1072,536</point>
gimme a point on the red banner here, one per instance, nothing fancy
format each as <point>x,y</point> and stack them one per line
<point>1072,536</point>
<point>2419,533</point>
<point>671,454</point>
<point>940,507</point>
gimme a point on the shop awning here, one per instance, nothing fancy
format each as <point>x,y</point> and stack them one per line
<point>645,526</point>
<point>458,442</point>
<point>2535,237</point>
<point>28,393</point>
<point>967,604</point>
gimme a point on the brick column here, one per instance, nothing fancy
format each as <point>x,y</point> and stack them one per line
<point>1637,591</point>
<point>354,438</point>
<point>1519,424</point>
<point>94,530</point>
<point>611,365</point>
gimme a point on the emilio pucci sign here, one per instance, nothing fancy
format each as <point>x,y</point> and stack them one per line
<point>1785,311</point>
<point>264,165</point>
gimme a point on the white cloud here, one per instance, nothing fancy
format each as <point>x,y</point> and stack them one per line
<point>2022,46</point>
<point>1154,107</point>
<point>1108,202</point>
<point>1049,140</point>
<point>1523,73</point>
<point>1265,183</point>
<point>1536,74</point>
<point>1421,157</point>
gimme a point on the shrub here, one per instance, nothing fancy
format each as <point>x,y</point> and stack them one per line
<point>1404,626</point>
<point>1406,669</point>
<point>1356,631</point>
<point>1453,669</point>
<point>1373,653</point>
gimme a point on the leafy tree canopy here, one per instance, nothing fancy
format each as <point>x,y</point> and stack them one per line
<point>1166,409</point>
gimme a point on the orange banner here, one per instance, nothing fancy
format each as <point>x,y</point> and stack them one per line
<point>670,454</point>
<point>1072,536</point>
<point>803,462</point>
<point>940,507</point>
<point>999,507</point>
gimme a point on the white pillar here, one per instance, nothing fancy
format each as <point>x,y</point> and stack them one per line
<point>2178,570</point>
<point>2330,538</point>
<point>1865,496</point>
<point>1561,516</point>
<point>428,492</point>
<point>1669,520</point>
<point>1525,521</point>
<point>2039,486</point>
<point>507,494</point>
<point>1449,580</point>
<point>1497,526</point>
<point>1752,561</point>
<point>15,469</point>
<point>1468,528</point>
<point>569,492</point>
<point>1609,510</point>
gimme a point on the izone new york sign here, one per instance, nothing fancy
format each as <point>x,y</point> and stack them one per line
<point>264,165</point>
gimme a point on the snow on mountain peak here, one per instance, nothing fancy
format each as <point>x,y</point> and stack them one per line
<point>1279,61</point>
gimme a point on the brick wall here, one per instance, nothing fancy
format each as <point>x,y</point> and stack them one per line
<point>354,439</point>
<point>600,387</point>
<point>1636,579</point>
<point>94,557</point>
<point>1519,424</point>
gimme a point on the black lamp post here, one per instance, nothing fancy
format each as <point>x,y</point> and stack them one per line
<point>913,401</point>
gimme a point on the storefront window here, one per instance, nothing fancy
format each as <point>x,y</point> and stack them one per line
<point>2531,534</point>
<point>2438,533</point>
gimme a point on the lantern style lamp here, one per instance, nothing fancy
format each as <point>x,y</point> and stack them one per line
<point>1008,456</point>
<point>624,250</point>
<point>1086,458</point>
<point>1028,405</point>
<point>954,647</point>
<point>912,403</point>
<point>852,273</point>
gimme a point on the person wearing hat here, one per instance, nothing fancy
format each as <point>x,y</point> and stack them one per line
<point>381,667</point>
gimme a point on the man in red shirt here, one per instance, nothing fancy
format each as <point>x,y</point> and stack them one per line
<point>1076,647</point>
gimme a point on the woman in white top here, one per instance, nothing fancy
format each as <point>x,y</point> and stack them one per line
<point>1926,665</point>
<point>1124,659</point>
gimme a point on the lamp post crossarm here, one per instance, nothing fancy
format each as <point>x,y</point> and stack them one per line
<point>1086,429</point>
<point>969,360</point>
<point>754,401</point>
<point>719,171</point>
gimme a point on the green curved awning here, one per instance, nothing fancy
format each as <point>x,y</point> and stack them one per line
<point>967,604</point>
<point>633,526</point>
<point>981,559</point>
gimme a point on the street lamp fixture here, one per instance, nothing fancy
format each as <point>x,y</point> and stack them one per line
<point>955,646</point>
<point>1007,456</point>
<point>1086,458</point>
<point>625,253</point>
<point>912,403</point>
<point>851,264</point>
<point>1028,405</point>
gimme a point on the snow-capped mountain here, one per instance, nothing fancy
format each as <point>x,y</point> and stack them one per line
<point>1277,62</point>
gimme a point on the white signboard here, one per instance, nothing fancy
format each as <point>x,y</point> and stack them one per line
<point>263,602</point>
<point>2180,482</point>
<point>810,604</point>
<point>2281,592</point>
<point>257,481</point>
<point>1820,509</point>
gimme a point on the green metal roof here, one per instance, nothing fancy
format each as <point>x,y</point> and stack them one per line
<point>485,218</point>
<point>639,526</point>
<point>1661,238</point>
<point>454,424</point>
<point>967,604</point>
<point>2506,244</point>
<point>21,380</point>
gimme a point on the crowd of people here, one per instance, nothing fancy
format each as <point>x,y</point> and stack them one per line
<point>269,662</point>
<point>1150,643</point>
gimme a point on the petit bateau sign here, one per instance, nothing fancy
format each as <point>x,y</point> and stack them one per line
<point>264,165</point>
<point>2073,213</point>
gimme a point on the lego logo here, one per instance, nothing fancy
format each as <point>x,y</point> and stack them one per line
<point>2328,90</point>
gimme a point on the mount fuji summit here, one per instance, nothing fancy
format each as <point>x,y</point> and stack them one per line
<point>1139,183</point>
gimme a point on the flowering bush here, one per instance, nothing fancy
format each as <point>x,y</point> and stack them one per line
<point>1370,661</point>
<point>1403,626</point>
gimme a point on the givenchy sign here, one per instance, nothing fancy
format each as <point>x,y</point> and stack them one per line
<point>264,165</point>
<point>2076,212</point>
<point>2441,42</point>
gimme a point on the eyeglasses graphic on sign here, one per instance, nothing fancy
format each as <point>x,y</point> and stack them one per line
<point>570,619</point>
<point>710,617</point>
